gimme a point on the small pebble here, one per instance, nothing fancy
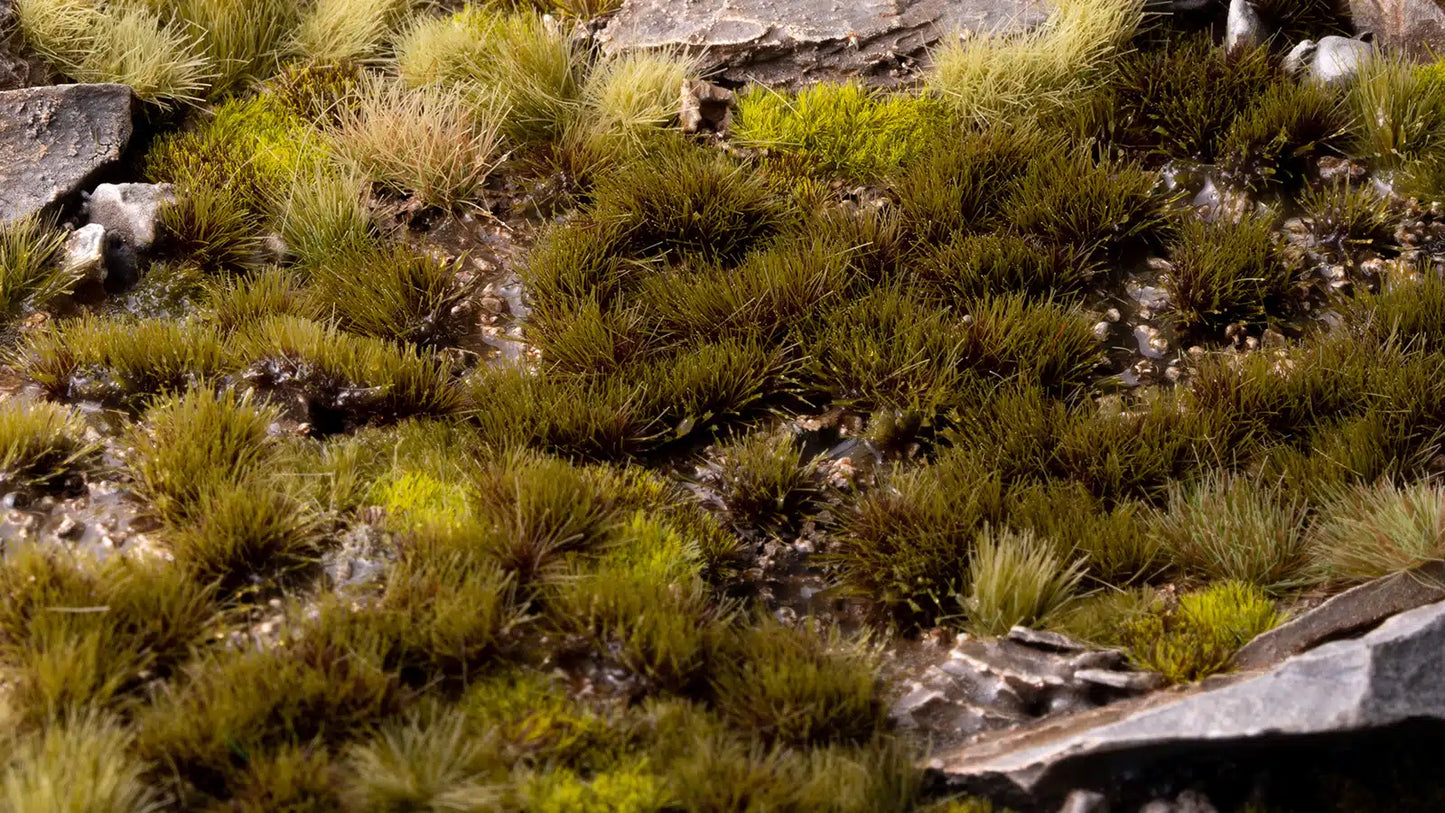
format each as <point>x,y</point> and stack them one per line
<point>1112,315</point>
<point>1101,331</point>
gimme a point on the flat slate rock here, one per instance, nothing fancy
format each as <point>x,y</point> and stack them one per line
<point>55,139</point>
<point>1391,677</point>
<point>787,43</point>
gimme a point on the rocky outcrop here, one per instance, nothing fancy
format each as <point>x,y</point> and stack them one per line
<point>793,42</point>
<point>981,684</point>
<point>1415,27</point>
<point>1393,676</point>
<point>53,140</point>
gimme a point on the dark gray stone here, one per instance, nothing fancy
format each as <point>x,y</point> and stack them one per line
<point>1391,676</point>
<point>795,42</point>
<point>53,140</point>
<point>1045,640</point>
<point>1352,612</point>
<point>1413,27</point>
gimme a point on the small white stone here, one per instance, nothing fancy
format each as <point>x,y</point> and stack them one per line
<point>84,252</point>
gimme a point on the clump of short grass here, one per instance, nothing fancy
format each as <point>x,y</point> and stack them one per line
<point>341,31</point>
<point>1198,637</point>
<point>243,531</point>
<point>796,687</point>
<point>346,379</point>
<point>1399,112</point>
<point>1071,199</point>
<point>435,762</point>
<point>43,446</point>
<point>213,227</point>
<point>1367,531</point>
<point>121,361</point>
<point>1343,216</point>
<point>391,291</point>
<point>1180,100</point>
<point>80,761</point>
<point>964,186</point>
<point>1235,529</point>
<point>763,481</point>
<point>452,147</point>
<point>1004,79</point>
<point>972,267</point>
<point>325,213</point>
<point>1226,272</point>
<point>680,199</point>
<point>124,43</point>
<point>842,129</point>
<point>1297,19</point>
<point>238,302</point>
<point>1274,140</point>
<point>192,441</point>
<point>30,271</point>
<point>1015,578</point>
<point>243,42</point>
<point>630,96</point>
<point>77,634</point>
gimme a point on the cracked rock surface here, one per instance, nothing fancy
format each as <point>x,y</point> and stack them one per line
<point>55,139</point>
<point>793,42</point>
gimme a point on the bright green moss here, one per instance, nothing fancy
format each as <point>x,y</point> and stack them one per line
<point>1197,638</point>
<point>843,129</point>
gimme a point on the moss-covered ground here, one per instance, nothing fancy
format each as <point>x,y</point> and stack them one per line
<point>1100,329</point>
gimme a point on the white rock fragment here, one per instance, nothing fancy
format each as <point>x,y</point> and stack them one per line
<point>84,252</point>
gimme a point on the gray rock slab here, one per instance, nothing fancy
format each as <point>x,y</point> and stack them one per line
<point>1414,27</point>
<point>787,43</point>
<point>55,139</point>
<point>1391,676</point>
<point>1354,611</point>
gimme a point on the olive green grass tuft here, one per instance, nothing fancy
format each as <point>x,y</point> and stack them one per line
<point>842,129</point>
<point>341,31</point>
<point>326,681</point>
<point>1367,531</point>
<point>763,481</point>
<point>213,227</point>
<point>453,144</point>
<point>76,633</point>
<point>963,187</point>
<point>44,446</point>
<point>584,9</point>
<point>799,687</point>
<point>1046,71</point>
<point>1112,540</point>
<point>1274,140</point>
<point>1232,528</point>
<point>1103,617</point>
<point>905,543</point>
<point>346,380</point>
<point>235,303</point>
<point>1294,20</point>
<point>392,292</point>
<point>323,214</point>
<point>684,200</point>
<point>1016,579</point>
<point>1179,100</point>
<point>1399,113</point>
<point>1345,215</point>
<point>971,267</point>
<point>80,761</point>
<point>1070,199</point>
<point>125,43</point>
<point>1410,309</point>
<point>629,97</point>
<point>1226,272</point>
<point>31,271</point>
<point>121,361</point>
<point>1197,638</point>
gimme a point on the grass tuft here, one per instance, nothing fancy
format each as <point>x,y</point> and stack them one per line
<point>1368,531</point>
<point>1235,529</point>
<point>30,272</point>
<point>391,292</point>
<point>81,762</point>
<point>1198,637</point>
<point>43,446</point>
<point>342,31</point>
<point>452,147</point>
<point>1225,273</point>
<point>1070,199</point>
<point>1345,216</point>
<point>763,481</point>
<point>1016,579</point>
<point>1274,141</point>
<point>121,361</point>
<point>990,80</point>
